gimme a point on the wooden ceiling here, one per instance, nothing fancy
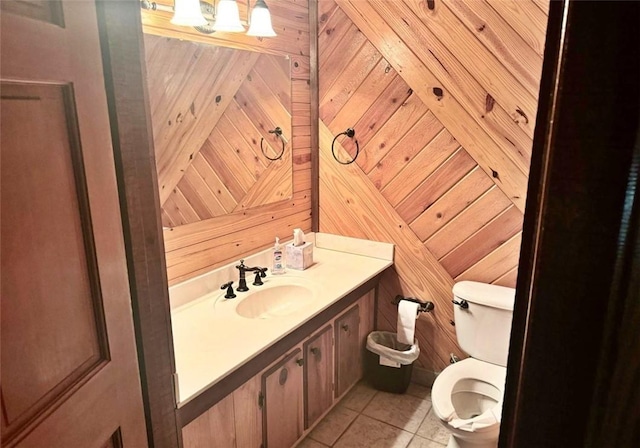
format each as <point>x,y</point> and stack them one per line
<point>443,97</point>
<point>211,107</point>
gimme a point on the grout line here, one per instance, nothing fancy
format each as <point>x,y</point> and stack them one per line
<point>361,413</point>
<point>346,429</point>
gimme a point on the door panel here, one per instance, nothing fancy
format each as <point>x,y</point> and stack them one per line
<point>69,368</point>
<point>318,367</point>
<point>44,10</point>
<point>115,441</point>
<point>48,257</point>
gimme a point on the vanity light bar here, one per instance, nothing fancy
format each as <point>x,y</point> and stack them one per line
<point>202,15</point>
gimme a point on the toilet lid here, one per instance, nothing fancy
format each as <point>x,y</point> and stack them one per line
<point>472,369</point>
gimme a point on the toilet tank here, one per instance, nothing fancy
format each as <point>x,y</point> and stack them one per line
<point>484,328</point>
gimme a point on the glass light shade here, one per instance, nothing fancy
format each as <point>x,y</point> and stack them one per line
<point>228,17</point>
<point>187,13</point>
<point>261,21</point>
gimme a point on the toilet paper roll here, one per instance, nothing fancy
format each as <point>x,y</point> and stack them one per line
<point>407,315</point>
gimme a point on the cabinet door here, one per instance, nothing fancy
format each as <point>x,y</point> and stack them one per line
<point>283,401</point>
<point>248,414</point>
<point>367,305</point>
<point>348,358</point>
<point>318,368</point>
<point>233,422</point>
<point>215,427</point>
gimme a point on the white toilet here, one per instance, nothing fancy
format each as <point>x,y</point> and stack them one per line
<point>467,396</point>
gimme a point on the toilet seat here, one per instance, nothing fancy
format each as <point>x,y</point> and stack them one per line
<point>468,369</point>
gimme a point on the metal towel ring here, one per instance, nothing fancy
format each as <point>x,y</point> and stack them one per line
<point>278,132</point>
<point>350,132</point>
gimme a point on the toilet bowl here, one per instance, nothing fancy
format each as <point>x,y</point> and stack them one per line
<point>467,396</point>
<point>467,399</point>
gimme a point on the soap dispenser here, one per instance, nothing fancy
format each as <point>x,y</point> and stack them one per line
<point>278,259</point>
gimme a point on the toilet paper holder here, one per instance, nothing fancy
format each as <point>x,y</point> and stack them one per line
<point>425,307</point>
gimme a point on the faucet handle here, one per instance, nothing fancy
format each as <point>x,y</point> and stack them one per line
<point>260,274</point>
<point>230,294</point>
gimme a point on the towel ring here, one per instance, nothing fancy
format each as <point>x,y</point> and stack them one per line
<point>350,132</point>
<point>278,132</point>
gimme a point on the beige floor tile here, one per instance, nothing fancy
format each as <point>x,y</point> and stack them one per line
<point>333,425</point>
<point>419,442</point>
<point>432,429</point>
<point>358,397</point>
<point>366,432</point>
<point>310,443</point>
<point>401,410</point>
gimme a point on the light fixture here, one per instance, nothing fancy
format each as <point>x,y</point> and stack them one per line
<point>260,24</point>
<point>187,13</point>
<point>224,16</point>
<point>228,17</point>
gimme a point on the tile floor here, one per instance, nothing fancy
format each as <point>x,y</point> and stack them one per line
<point>367,418</point>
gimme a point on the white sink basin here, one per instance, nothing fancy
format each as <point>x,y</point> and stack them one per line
<point>267,302</point>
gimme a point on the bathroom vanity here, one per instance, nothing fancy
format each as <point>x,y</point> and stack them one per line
<point>261,368</point>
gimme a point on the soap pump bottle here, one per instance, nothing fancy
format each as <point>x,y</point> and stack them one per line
<point>278,259</point>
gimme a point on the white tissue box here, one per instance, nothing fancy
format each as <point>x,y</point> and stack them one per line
<point>299,257</point>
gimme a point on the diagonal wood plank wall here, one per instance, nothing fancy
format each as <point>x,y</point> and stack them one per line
<point>229,114</point>
<point>443,97</point>
<point>199,246</point>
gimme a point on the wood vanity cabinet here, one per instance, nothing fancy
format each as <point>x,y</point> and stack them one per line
<point>233,422</point>
<point>318,375</point>
<point>274,408</point>
<point>348,350</point>
<point>282,390</point>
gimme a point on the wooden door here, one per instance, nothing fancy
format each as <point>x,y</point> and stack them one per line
<point>283,401</point>
<point>348,353</point>
<point>318,375</point>
<point>69,369</point>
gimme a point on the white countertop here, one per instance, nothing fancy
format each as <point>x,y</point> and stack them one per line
<point>211,340</point>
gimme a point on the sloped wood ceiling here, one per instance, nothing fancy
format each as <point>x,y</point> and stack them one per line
<point>443,96</point>
<point>202,245</point>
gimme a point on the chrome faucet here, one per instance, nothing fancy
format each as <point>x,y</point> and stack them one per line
<point>242,282</point>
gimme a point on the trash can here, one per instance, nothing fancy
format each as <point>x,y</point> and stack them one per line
<point>389,363</point>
